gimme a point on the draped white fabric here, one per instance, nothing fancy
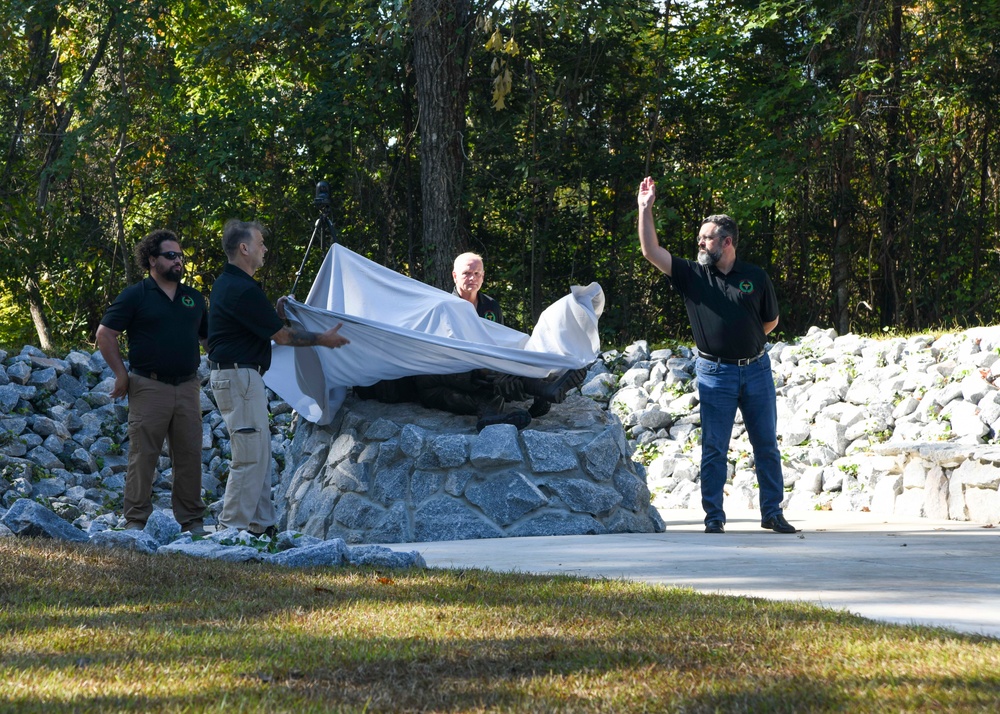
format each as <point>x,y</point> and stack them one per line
<point>399,326</point>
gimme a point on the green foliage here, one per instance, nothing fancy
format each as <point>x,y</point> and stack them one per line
<point>855,146</point>
<point>645,454</point>
<point>849,469</point>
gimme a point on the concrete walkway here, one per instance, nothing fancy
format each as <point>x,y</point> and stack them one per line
<point>941,573</point>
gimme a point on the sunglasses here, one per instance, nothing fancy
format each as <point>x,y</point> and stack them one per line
<point>171,255</point>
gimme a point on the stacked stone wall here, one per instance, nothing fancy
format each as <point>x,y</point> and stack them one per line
<point>862,423</point>
<point>392,473</point>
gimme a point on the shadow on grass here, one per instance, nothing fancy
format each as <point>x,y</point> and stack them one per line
<point>263,638</point>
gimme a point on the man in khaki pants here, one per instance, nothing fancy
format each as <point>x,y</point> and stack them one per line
<point>165,321</point>
<point>240,329</point>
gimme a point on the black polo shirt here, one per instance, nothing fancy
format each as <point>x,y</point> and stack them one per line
<point>727,311</point>
<point>162,333</point>
<point>486,307</point>
<point>242,320</point>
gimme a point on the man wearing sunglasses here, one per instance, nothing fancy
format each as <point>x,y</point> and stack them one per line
<point>164,321</point>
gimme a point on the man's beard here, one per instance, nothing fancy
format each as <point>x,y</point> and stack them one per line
<point>708,258</point>
<point>173,274</point>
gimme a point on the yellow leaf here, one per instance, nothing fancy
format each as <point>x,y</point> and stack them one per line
<point>495,43</point>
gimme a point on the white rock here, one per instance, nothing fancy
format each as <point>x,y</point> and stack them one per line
<point>660,468</point>
<point>810,480</point>
<point>831,433</point>
<point>907,406</point>
<point>653,418</point>
<point>885,492</point>
<point>801,501</point>
<point>631,399</point>
<point>974,387</point>
<point>983,505</point>
<point>794,433</point>
<point>634,377</point>
<point>833,479</point>
<point>965,421</point>
<point>936,494</point>
<point>851,501</point>
<point>914,474</point>
<point>686,470</point>
<point>973,474</point>
<point>910,503</point>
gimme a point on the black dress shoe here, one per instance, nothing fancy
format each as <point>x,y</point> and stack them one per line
<point>715,527</point>
<point>270,532</point>
<point>778,524</point>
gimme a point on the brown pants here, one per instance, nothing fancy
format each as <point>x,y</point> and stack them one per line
<point>158,411</point>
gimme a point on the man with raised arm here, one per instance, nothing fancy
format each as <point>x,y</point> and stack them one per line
<point>732,307</point>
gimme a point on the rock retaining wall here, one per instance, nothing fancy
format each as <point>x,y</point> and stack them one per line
<point>863,424</point>
<point>905,426</point>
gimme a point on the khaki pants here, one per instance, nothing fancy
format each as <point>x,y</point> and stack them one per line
<point>240,396</point>
<point>158,411</point>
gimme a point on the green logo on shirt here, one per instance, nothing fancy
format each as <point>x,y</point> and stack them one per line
<point>186,301</point>
<point>746,287</point>
<point>491,316</point>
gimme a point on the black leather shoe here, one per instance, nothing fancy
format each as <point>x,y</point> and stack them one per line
<point>270,532</point>
<point>715,527</point>
<point>778,524</point>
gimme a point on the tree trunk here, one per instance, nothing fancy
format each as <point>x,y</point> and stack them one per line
<point>441,41</point>
<point>63,115</point>
<point>842,220</point>
<point>889,218</point>
<point>36,307</point>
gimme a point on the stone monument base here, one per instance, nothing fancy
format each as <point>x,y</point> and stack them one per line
<point>399,473</point>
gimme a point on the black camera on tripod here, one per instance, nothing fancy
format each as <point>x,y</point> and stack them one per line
<point>322,194</point>
<point>323,227</point>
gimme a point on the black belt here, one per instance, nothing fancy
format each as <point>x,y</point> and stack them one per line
<point>236,365</point>
<point>172,379</point>
<point>742,362</point>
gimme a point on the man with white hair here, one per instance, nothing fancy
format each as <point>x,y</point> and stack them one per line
<point>468,274</point>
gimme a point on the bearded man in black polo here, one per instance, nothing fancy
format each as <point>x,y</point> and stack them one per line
<point>164,322</point>
<point>732,308</point>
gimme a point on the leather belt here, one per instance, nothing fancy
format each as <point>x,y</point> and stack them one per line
<point>237,365</point>
<point>741,362</point>
<point>171,379</point>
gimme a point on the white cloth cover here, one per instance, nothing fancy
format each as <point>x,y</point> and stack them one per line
<point>399,326</point>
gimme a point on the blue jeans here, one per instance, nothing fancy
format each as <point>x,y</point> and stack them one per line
<point>722,388</point>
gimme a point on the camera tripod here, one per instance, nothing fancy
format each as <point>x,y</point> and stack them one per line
<point>323,227</point>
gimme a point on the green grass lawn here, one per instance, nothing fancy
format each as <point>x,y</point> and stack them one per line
<point>89,630</point>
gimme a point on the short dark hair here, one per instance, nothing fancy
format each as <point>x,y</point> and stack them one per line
<point>235,232</point>
<point>149,247</point>
<point>726,226</point>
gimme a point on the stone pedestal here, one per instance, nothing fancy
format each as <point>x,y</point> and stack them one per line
<point>396,473</point>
